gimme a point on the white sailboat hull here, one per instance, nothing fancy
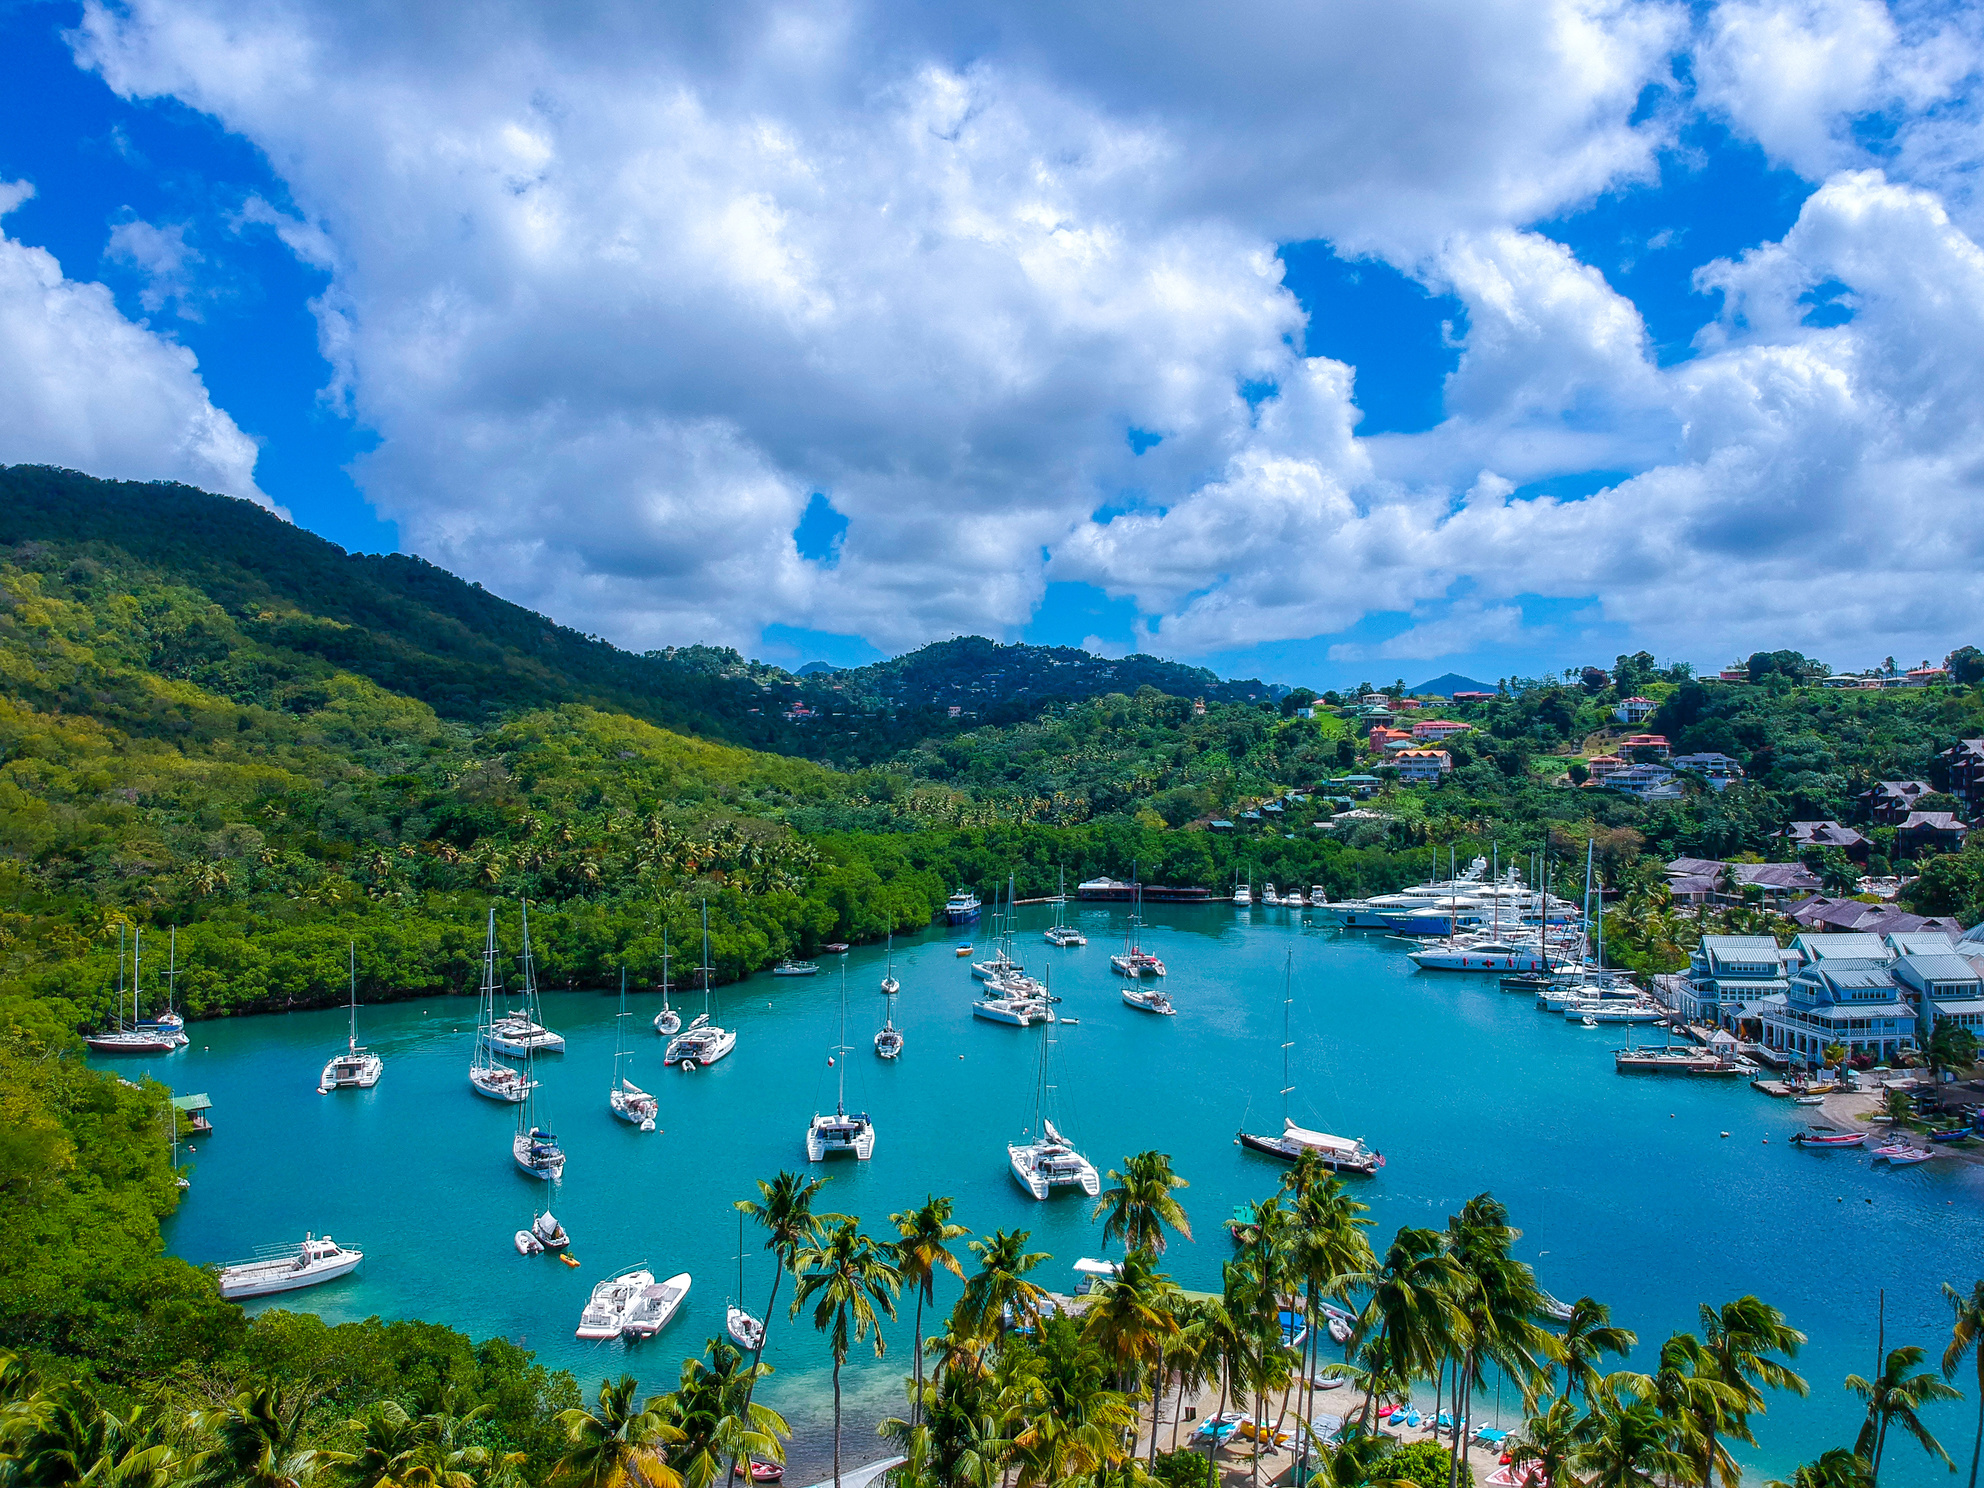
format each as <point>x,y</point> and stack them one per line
<point>745,1331</point>
<point>1040,1173</point>
<point>656,1306</point>
<point>1019,1014</point>
<point>701,1046</point>
<point>499,1083</point>
<point>535,1159</point>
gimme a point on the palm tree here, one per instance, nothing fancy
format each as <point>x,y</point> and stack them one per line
<point>1627,1446</point>
<point>1192,1358</point>
<point>1588,1334</point>
<point>1500,1301</point>
<point>1141,1205</point>
<point>708,1410</point>
<point>1549,1441</point>
<point>922,1249</point>
<point>1330,1248</point>
<point>616,1446</point>
<point>1689,1394</point>
<point>1739,1339</point>
<point>1075,1423</point>
<point>1895,1398</point>
<point>387,1436</point>
<point>1837,1468</point>
<point>66,1435</point>
<point>999,1287</point>
<point>784,1210</point>
<point>1967,1337</point>
<point>849,1280</point>
<point>1411,1307</point>
<point>1132,1319</point>
<point>258,1438</point>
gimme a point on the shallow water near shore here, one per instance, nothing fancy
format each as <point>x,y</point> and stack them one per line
<point>1625,1187</point>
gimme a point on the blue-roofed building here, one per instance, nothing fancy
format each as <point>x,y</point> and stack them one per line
<point>1727,973</point>
<point>1942,985</point>
<point>1845,1000</point>
<point>1814,948</point>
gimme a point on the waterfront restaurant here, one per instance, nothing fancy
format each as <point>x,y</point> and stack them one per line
<point>1839,1000</point>
<point>1726,973</point>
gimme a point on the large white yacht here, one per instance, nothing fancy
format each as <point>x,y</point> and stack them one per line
<point>285,1268</point>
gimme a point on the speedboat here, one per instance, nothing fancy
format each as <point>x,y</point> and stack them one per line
<point>1826,1136</point>
<point>1342,1154</point>
<point>606,1310</point>
<point>285,1268</point>
<point>1149,1000</point>
<point>1051,1163</point>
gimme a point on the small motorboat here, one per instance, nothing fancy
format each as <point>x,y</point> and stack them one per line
<point>1808,1100</point>
<point>965,949</point>
<point>760,1472</point>
<point>835,947</point>
<point>1825,1136</point>
<point>1893,1149</point>
<point>528,1244</point>
<point>1911,1157</point>
<point>1587,1021</point>
<point>651,1311</point>
<point>1952,1134</point>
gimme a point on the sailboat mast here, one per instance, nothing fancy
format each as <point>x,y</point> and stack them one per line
<point>172,976</point>
<point>137,960</point>
<point>706,969</point>
<point>1287,1035</point>
<point>120,974</point>
<point>840,1052</point>
<point>352,955</point>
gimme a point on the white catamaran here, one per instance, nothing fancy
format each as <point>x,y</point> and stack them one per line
<point>356,1067</point>
<point>1059,934</point>
<point>628,1101</point>
<point>842,1131</point>
<point>704,1041</point>
<point>520,1032</point>
<point>1049,1161</point>
<point>486,1074</point>
<point>1344,1154</point>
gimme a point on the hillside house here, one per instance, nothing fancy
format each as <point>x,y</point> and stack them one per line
<point>1923,832</point>
<point>1803,834</point>
<point>1654,744</point>
<point>1965,762</point>
<point>1435,730</point>
<point>1603,766</point>
<point>1635,709</point>
<point>1889,801</point>
<point>1646,783</point>
<point>1422,766</point>
<point>1716,770</point>
<point>1779,883</point>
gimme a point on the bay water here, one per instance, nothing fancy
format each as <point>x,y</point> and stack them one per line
<point>1653,1194</point>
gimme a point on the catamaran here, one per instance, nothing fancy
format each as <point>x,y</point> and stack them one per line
<point>1001,963</point>
<point>355,1067</point>
<point>1135,961</point>
<point>628,1101</point>
<point>1050,1160</point>
<point>519,1033</point>
<point>704,1041</point>
<point>1059,934</point>
<point>535,1149</point>
<point>840,1132</point>
<point>667,1022</point>
<point>605,1313</point>
<point>486,1074</point>
<point>1018,1000</point>
<point>746,1331</point>
<point>284,1268</point>
<point>1344,1154</point>
<point>137,1039</point>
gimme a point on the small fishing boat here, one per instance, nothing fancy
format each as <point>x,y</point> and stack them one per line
<point>791,968</point>
<point>657,1304</point>
<point>1825,1136</point>
<point>1951,1134</point>
<point>1808,1100</point>
<point>965,949</point>
<point>843,1131</point>
<point>761,1472</point>
<point>355,1068</point>
<point>1911,1157</point>
<point>605,1313</point>
<point>667,1022</point>
<point>287,1267</point>
<point>1149,1000</point>
<point>746,1331</point>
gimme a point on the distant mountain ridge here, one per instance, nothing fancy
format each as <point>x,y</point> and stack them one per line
<point>1449,683</point>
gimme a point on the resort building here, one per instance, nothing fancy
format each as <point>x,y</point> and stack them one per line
<point>1602,766</point>
<point>1776,883</point>
<point>1840,1000</point>
<point>1923,832</point>
<point>1727,973</point>
<point>1384,737</point>
<point>1653,744</point>
<point>1852,916</point>
<point>1803,834</point>
<point>1965,762</point>
<point>1811,949</point>
<point>1646,782</point>
<point>1422,766</point>
<point>1717,770</point>
<point>1942,986</point>
<point>1635,709</point>
<point>1889,802</point>
<point>1438,729</point>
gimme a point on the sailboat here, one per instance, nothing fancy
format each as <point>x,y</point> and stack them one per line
<point>888,1038</point>
<point>1135,961</point>
<point>518,1033</point>
<point>840,1132</point>
<point>667,1022</point>
<point>703,1041</point>
<point>136,1039</point>
<point>1001,964</point>
<point>1049,1161</point>
<point>746,1331</point>
<point>355,1067</point>
<point>629,1102</point>
<point>169,1024</point>
<point>890,986</point>
<point>536,1150</point>
<point>1058,934</point>
<point>1344,1154</point>
<point>489,1077</point>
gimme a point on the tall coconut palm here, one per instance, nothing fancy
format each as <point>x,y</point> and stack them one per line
<point>257,1438</point>
<point>1837,1468</point>
<point>1894,1399</point>
<point>921,1250</point>
<point>1076,1423</point>
<point>1589,1334</point>
<point>1141,1205</point>
<point>67,1435</point>
<point>616,1445</point>
<point>1411,1308</point>
<point>1967,1337</point>
<point>852,1285</point>
<point>1739,1339</point>
<point>1500,1301</point>
<point>1330,1249</point>
<point>387,1436</point>
<point>1688,1392</point>
<point>1131,1319</point>
<point>1549,1441</point>
<point>999,1287</point>
<point>1192,1358</point>
<point>784,1211</point>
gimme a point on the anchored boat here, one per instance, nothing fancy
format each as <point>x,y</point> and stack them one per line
<point>1050,1160</point>
<point>1342,1154</point>
<point>842,1131</point>
<point>355,1067</point>
<point>288,1267</point>
<point>704,1041</point>
<point>612,1300</point>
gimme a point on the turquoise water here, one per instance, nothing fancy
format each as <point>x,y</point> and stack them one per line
<point>1626,1188</point>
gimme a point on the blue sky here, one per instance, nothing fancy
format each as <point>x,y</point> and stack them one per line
<point>1384,343</point>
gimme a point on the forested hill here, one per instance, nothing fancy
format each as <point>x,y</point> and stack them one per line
<point>307,607</point>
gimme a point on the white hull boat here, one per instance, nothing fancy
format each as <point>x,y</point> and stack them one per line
<point>606,1310</point>
<point>745,1331</point>
<point>1149,1000</point>
<point>843,1132</point>
<point>657,1304</point>
<point>517,1035</point>
<point>309,1264</point>
<point>633,1105</point>
<point>701,1043</point>
<point>1020,1012</point>
<point>1051,1163</point>
<point>499,1082</point>
<point>355,1068</point>
<point>1341,1154</point>
<point>538,1154</point>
